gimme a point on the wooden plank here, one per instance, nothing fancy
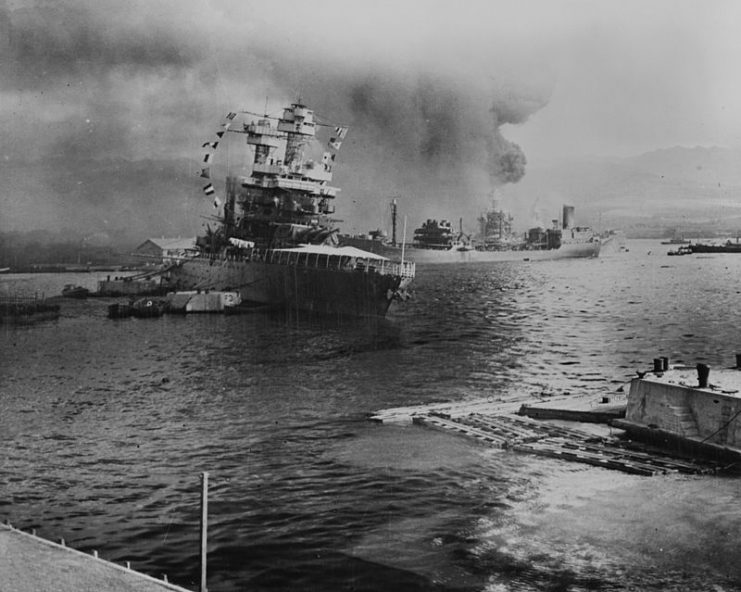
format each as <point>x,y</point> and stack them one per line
<point>570,456</point>
<point>535,437</point>
<point>455,426</point>
<point>587,416</point>
<point>501,423</point>
<point>501,429</point>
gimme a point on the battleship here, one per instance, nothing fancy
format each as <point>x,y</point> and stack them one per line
<point>275,242</point>
<point>436,241</point>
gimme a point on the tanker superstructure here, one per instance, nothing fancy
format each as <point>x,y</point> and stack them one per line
<point>436,241</point>
<point>276,242</point>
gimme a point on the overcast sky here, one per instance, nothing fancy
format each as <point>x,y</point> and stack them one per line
<point>443,89</point>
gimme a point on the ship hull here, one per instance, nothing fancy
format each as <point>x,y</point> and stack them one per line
<point>323,291</point>
<point>567,251</point>
<point>731,248</point>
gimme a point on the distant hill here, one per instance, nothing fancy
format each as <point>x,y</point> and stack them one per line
<point>688,191</point>
<point>692,190</point>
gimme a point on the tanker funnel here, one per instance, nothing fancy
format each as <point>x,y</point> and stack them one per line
<point>568,217</point>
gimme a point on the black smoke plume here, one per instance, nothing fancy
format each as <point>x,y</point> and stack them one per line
<point>145,82</point>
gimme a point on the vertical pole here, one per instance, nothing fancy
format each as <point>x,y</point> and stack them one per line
<point>393,222</point>
<point>403,242</point>
<point>204,528</point>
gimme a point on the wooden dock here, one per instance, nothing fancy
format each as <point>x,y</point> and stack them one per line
<point>536,426</point>
<point>29,563</point>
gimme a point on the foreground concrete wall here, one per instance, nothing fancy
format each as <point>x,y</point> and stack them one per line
<point>686,411</point>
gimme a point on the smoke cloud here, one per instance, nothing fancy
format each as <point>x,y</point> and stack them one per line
<point>87,81</point>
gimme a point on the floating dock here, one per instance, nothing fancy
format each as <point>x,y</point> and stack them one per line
<point>570,432</point>
<point>29,563</point>
<point>26,310</point>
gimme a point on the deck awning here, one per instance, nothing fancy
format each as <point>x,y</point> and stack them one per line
<point>337,251</point>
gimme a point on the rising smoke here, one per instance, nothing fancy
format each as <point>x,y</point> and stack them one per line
<point>85,81</point>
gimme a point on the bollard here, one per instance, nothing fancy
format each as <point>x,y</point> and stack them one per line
<point>738,361</point>
<point>703,372</point>
<point>665,363</point>
<point>658,365</point>
<point>95,553</point>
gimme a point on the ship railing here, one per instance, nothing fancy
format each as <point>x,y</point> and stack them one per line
<point>406,269</point>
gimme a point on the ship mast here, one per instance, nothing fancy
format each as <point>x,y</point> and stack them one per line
<point>393,222</point>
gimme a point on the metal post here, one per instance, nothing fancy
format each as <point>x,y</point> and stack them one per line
<point>204,528</point>
<point>393,222</point>
<point>403,242</point>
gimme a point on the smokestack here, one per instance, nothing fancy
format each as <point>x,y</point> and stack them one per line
<point>568,217</point>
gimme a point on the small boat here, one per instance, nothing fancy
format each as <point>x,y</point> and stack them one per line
<point>148,307</point>
<point>72,291</point>
<point>198,301</point>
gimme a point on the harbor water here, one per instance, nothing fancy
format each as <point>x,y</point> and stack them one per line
<point>106,425</point>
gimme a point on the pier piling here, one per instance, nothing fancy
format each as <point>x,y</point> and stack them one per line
<point>204,529</point>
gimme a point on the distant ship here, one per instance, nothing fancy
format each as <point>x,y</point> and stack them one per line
<point>676,238</point>
<point>676,241</point>
<point>727,247</point>
<point>275,242</point>
<point>437,242</point>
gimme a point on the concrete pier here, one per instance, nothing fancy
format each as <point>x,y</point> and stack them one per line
<point>29,563</point>
<point>689,405</point>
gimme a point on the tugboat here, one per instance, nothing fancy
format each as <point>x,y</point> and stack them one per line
<point>276,243</point>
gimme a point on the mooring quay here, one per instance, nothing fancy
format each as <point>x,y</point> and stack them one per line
<point>29,563</point>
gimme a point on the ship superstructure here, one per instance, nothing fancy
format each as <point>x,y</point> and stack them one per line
<point>434,234</point>
<point>497,229</point>
<point>276,241</point>
<point>287,198</point>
